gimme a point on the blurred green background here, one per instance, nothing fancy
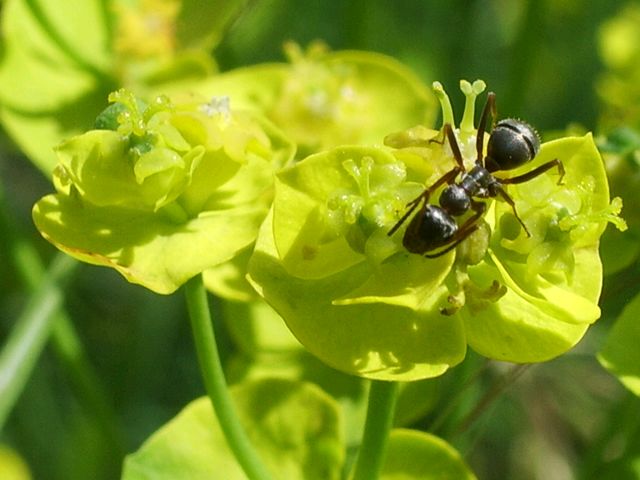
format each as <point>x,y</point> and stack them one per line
<point>557,422</point>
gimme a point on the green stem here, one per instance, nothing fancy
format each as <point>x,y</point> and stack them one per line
<point>215,383</point>
<point>28,336</point>
<point>380,413</point>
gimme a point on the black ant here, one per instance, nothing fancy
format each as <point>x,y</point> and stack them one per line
<point>512,143</point>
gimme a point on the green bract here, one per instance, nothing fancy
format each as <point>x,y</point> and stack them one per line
<point>414,455</point>
<point>173,189</point>
<point>360,302</point>
<point>295,426</point>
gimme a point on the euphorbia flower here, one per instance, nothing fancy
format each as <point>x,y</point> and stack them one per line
<point>163,191</point>
<point>322,99</point>
<point>359,301</point>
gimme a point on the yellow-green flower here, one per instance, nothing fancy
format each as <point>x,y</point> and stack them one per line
<point>363,304</point>
<point>163,191</point>
<point>322,99</point>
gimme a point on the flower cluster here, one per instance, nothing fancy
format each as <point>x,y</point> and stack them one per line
<point>358,300</point>
<point>165,190</point>
<point>322,99</point>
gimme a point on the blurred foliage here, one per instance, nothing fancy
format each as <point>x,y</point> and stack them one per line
<point>565,419</point>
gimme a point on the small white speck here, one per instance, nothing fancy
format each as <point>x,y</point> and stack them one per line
<point>218,106</point>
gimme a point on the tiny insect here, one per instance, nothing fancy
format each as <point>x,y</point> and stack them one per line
<point>435,230</point>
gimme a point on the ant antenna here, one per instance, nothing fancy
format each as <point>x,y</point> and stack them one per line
<point>489,109</point>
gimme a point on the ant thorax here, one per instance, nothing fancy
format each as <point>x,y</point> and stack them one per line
<point>478,182</point>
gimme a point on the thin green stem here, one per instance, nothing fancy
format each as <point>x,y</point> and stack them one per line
<point>214,381</point>
<point>454,400</point>
<point>31,331</point>
<point>380,413</point>
<point>491,396</point>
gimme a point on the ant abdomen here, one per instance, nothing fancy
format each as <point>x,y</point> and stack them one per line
<point>430,229</point>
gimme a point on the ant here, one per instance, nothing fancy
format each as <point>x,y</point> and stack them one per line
<point>512,143</point>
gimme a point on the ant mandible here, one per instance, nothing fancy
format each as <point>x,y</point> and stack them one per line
<point>512,143</point>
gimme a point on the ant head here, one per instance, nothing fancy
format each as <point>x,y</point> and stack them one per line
<point>512,143</point>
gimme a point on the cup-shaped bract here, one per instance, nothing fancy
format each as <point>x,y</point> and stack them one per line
<point>324,262</point>
<point>356,298</point>
<point>165,190</point>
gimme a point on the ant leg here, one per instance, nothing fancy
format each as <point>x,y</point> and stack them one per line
<point>447,178</point>
<point>449,134</point>
<point>466,229</point>
<point>423,198</point>
<point>412,206</point>
<point>489,109</point>
<point>525,177</point>
<point>455,148</point>
<point>510,201</point>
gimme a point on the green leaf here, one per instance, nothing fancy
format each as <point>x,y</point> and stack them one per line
<point>60,60</point>
<point>268,349</point>
<point>349,391</point>
<point>52,72</point>
<point>294,426</point>
<point>416,400</point>
<point>203,24</point>
<point>227,280</point>
<point>422,456</point>
<point>620,354</point>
